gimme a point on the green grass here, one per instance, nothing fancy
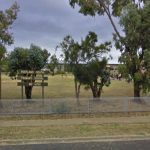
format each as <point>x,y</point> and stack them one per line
<point>59,87</point>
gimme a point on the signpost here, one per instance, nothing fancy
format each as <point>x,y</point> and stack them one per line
<point>32,78</point>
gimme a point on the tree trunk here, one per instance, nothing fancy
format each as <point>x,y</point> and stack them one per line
<point>96,92</point>
<point>99,92</point>
<point>28,92</point>
<point>77,90</point>
<point>53,73</point>
<point>137,91</point>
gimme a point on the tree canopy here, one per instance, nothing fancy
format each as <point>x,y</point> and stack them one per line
<point>86,59</point>
<point>94,75</point>
<point>135,23</point>
<point>32,59</point>
<point>133,16</point>
<point>111,8</point>
<point>7,18</point>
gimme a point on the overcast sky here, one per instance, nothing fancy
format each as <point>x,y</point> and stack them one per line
<point>46,22</point>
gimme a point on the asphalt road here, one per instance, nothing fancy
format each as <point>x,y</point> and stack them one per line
<point>116,145</point>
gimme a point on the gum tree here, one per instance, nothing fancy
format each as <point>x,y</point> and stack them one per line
<point>135,22</point>
<point>7,18</point>
<point>93,73</point>
<point>86,61</point>
<point>72,57</point>
<point>116,8</point>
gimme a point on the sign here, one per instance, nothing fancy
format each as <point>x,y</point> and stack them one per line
<point>32,78</point>
<point>32,84</point>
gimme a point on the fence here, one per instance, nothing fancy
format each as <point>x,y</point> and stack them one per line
<point>70,105</point>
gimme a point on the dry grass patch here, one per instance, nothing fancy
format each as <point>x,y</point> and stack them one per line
<point>63,131</point>
<point>59,87</point>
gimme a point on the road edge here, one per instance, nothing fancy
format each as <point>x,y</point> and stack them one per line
<point>74,140</point>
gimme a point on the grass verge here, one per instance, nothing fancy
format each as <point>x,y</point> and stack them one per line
<point>35,127</point>
<point>63,131</point>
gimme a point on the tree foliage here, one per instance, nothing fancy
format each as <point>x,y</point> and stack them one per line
<point>94,75</point>
<point>135,22</point>
<point>32,59</point>
<point>134,19</point>
<point>72,57</point>
<point>86,59</point>
<point>7,18</point>
<point>93,72</point>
